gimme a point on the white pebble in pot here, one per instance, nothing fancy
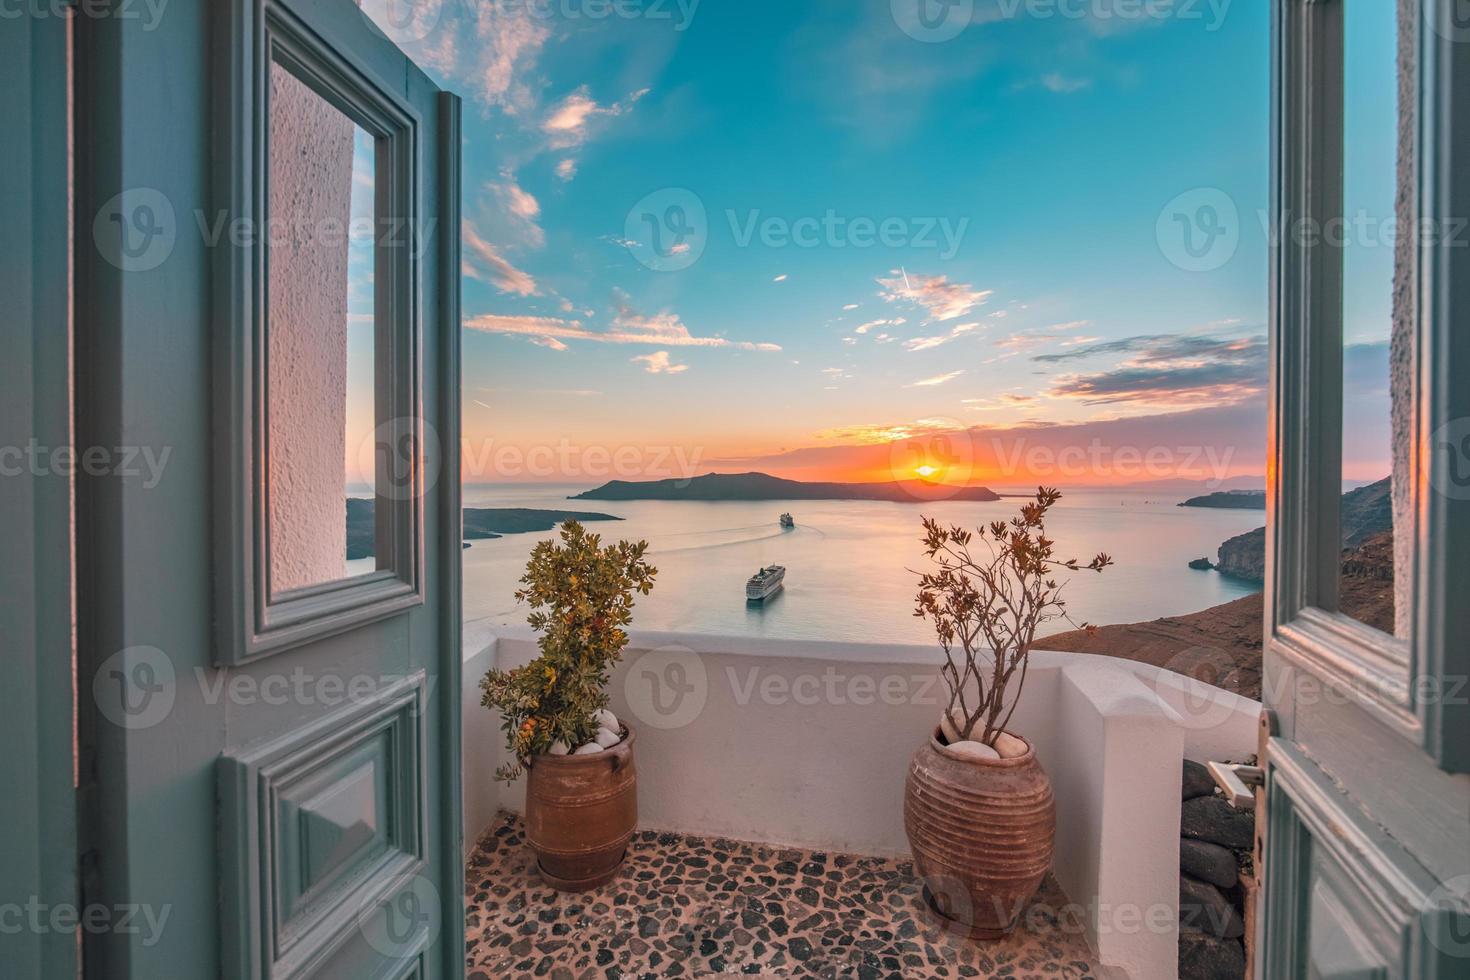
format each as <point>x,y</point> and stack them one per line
<point>973,750</point>
<point>1009,746</point>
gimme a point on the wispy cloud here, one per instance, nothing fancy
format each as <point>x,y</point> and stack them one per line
<point>938,379</point>
<point>1002,402</point>
<point>658,363</point>
<point>507,49</point>
<point>629,326</point>
<point>872,79</point>
<point>929,343</point>
<point>483,261</point>
<point>519,209</point>
<point>873,324</point>
<point>1167,370</point>
<point>568,124</point>
<point>566,169</point>
<point>1063,85</point>
<point>877,435</point>
<point>944,300</point>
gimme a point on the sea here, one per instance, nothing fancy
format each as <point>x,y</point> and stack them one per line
<point>852,566</point>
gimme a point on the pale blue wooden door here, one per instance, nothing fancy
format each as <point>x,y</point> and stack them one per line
<point>271,769</point>
<point>1366,738</point>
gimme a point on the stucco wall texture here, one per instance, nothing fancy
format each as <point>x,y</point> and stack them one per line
<point>310,190</point>
<point>1402,347</point>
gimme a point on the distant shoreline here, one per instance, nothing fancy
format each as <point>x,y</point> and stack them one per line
<point>480,523</point>
<point>755,487</point>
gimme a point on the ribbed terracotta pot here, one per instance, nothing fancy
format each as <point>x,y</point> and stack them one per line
<point>982,833</point>
<point>581,811</point>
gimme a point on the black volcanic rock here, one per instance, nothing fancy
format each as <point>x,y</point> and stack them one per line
<point>1230,500</point>
<point>1205,957</point>
<point>1202,908</point>
<point>1197,781</point>
<point>762,486</point>
<point>1210,818</point>
<point>480,523</point>
<point>1208,862</point>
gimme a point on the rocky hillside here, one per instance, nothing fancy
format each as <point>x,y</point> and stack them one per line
<point>1366,513</point>
<point>1222,645</point>
<point>1230,500</point>
<point>1244,556</point>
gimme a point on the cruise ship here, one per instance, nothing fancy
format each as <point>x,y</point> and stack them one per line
<point>764,583</point>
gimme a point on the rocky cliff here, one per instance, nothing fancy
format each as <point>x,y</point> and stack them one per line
<point>1367,512</point>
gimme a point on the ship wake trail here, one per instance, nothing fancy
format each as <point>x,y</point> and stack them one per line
<point>718,544</point>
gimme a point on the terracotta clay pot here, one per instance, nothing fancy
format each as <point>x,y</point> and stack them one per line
<point>581,811</point>
<point>982,833</point>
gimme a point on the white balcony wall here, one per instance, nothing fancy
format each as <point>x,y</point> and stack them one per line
<point>808,744</point>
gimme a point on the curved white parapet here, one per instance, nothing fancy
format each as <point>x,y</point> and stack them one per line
<point>808,744</point>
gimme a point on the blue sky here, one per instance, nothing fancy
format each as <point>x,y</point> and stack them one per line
<point>1023,170</point>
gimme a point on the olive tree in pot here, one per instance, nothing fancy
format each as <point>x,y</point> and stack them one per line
<point>581,785</point>
<point>978,808</point>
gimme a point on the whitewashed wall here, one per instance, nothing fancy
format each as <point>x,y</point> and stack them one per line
<point>310,192</point>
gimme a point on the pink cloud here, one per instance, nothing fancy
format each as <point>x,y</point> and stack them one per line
<point>658,363</point>
<point>944,300</point>
<point>483,262</point>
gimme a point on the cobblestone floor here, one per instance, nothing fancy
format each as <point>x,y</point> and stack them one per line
<point>695,907</point>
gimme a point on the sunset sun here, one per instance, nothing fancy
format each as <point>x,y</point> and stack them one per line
<point>926,471</point>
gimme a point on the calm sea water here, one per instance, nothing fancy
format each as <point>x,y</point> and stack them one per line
<point>847,562</point>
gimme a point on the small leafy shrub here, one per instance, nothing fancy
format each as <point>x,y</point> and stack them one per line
<point>581,597</point>
<point>989,606</point>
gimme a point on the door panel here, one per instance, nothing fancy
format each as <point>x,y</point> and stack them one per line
<point>1366,810</point>
<point>38,850</point>
<point>292,799</point>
